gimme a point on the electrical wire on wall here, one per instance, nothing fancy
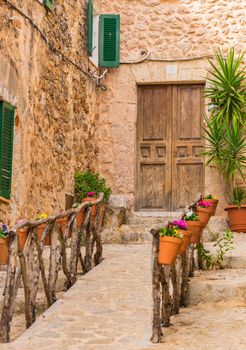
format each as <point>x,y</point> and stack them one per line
<point>54,50</point>
<point>147,56</point>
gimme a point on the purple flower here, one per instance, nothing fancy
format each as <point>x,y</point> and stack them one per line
<point>181,224</point>
<point>4,228</point>
<point>91,194</point>
<point>204,204</point>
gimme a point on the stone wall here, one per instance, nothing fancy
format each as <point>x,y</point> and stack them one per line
<point>56,115</point>
<point>179,36</point>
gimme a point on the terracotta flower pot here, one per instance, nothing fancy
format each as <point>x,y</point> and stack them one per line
<point>22,234</point>
<point>168,250</point>
<point>103,208</point>
<point>63,223</point>
<point>186,241</point>
<point>80,217</point>
<point>214,204</point>
<point>93,208</point>
<point>195,227</point>
<point>4,251</point>
<point>40,230</point>
<point>204,215</point>
<point>237,218</point>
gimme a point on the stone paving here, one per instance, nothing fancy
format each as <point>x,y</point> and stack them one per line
<point>110,309</point>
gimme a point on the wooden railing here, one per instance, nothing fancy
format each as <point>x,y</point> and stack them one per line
<point>169,287</point>
<point>29,264</point>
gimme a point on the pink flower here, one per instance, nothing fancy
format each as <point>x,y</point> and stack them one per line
<point>204,204</point>
<point>181,224</point>
<point>91,194</point>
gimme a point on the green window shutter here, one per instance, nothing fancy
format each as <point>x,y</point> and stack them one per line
<point>6,148</point>
<point>109,41</point>
<point>90,26</point>
<point>50,4</point>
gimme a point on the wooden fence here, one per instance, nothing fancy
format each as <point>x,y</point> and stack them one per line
<point>28,263</point>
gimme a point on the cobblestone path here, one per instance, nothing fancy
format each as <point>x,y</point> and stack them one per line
<point>110,309</point>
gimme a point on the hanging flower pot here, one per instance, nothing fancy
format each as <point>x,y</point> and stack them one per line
<point>186,241</point>
<point>169,246</point>
<point>204,211</point>
<point>213,201</point>
<point>103,208</point>
<point>80,217</point>
<point>91,198</point>
<point>22,234</point>
<point>195,227</point>
<point>4,250</point>
<point>237,217</point>
<point>63,223</point>
<point>40,230</point>
<point>168,250</point>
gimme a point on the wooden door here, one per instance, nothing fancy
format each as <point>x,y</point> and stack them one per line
<point>170,170</point>
<point>154,144</point>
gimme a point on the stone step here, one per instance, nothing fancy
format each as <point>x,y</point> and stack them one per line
<point>215,286</point>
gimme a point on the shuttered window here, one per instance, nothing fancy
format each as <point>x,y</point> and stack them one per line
<point>50,4</point>
<point>90,26</point>
<point>6,148</point>
<point>109,40</point>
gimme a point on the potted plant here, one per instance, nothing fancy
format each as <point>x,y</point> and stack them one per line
<point>194,225</point>
<point>87,186</point>
<point>186,235</point>
<point>63,223</point>
<point>213,201</point>
<point>204,211</point>
<point>22,235</point>
<point>225,132</point>
<point>169,246</point>
<point>41,228</point>
<point>237,211</point>
<point>4,244</point>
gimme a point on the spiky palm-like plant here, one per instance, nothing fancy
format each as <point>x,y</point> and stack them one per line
<point>226,128</point>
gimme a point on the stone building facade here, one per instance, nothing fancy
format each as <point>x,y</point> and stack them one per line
<point>43,57</point>
<point>165,42</point>
<point>63,123</point>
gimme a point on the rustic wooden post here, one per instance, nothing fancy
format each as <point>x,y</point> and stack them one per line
<point>53,266</point>
<point>97,238</point>
<point>74,253</point>
<point>88,247</point>
<point>156,320</point>
<point>191,261</point>
<point>184,279</point>
<point>40,248</point>
<point>10,289</point>
<point>175,278</point>
<point>166,297</point>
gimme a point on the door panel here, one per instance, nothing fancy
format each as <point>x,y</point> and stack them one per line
<point>170,170</point>
<point>187,145</point>
<point>153,147</point>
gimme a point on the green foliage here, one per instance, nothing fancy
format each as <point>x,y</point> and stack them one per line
<point>239,196</point>
<point>88,181</point>
<point>191,216</point>
<point>204,255</point>
<point>225,130</point>
<point>227,90</point>
<point>224,246</point>
<point>209,196</point>
<point>170,232</point>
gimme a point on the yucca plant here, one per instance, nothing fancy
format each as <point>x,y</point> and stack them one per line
<point>225,131</point>
<point>227,90</point>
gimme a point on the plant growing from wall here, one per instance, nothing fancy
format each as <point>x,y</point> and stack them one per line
<point>224,246</point>
<point>88,182</point>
